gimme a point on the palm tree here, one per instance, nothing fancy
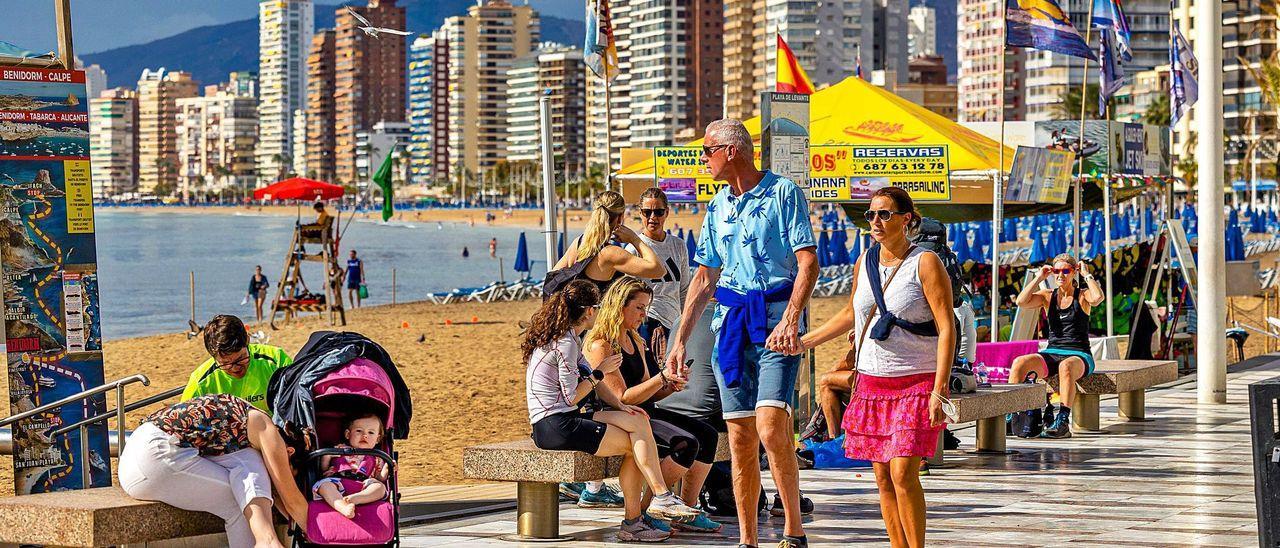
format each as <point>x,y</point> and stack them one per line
<point>1068,106</point>
<point>1158,113</point>
<point>1267,74</point>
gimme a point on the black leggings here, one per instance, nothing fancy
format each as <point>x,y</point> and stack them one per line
<point>685,439</point>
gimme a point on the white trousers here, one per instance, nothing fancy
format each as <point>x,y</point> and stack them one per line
<point>154,467</point>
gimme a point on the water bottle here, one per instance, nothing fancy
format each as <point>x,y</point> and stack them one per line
<point>981,373</point>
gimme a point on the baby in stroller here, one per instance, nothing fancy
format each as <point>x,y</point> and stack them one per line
<point>361,432</point>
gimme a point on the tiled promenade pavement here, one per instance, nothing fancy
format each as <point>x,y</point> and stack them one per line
<point>1184,478</point>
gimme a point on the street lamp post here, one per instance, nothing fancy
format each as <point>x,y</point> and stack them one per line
<point>1211,297</point>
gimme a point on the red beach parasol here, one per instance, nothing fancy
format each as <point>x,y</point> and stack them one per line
<point>298,188</point>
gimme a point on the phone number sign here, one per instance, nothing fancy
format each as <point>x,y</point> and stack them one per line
<point>848,173</point>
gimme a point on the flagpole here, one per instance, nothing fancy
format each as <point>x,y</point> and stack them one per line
<point>997,184</point>
<point>608,134</point>
<point>1077,209</point>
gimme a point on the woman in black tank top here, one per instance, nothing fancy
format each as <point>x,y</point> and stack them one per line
<point>1067,356</point>
<point>686,444</point>
<point>605,261</point>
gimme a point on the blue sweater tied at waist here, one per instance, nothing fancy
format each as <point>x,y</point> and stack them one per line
<point>746,320</point>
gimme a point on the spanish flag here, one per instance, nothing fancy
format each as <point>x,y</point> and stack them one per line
<point>791,77</point>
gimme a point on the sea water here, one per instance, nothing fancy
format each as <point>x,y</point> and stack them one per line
<point>144,260</point>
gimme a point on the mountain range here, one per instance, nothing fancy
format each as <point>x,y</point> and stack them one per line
<point>210,53</point>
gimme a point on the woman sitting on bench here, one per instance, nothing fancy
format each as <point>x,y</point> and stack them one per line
<point>687,446</point>
<point>559,377</point>
<point>1068,355</point>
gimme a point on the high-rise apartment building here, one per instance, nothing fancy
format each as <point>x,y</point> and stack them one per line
<point>216,135</point>
<point>830,40</point>
<point>557,72</point>
<point>482,46</point>
<point>284,34</point>
<point>980,42</point>
<point>372,147</point>
<point>922,31</point>
<point>299,165</point>
<point>113,142</point>
<point>369,76</point>
<point>428,108</point>
<point>158,92</point>
<point>1050,75</point>
<point>1249,35</point>
<point>927,86</point>
<point>670,81</point>
<point>320,111</point>
<point>243,83</point>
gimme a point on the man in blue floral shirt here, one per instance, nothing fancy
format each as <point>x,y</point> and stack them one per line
<point>756,254</point>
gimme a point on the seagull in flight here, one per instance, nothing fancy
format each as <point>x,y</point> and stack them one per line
<point>371,30</point>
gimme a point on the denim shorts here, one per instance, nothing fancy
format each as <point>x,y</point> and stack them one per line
<point>768,380</point>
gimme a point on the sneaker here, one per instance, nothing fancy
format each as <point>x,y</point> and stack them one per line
<point>804,459</point>
<point>606,498</point>
<point>656,523</point>
<point>816,430</point>
<point>949,441</point>
<point>641,531</point>
<point>700,524</point>
<point>1060,429</point>
<point>670,507</point>
<point>571,491</point>
<point>806,506</point>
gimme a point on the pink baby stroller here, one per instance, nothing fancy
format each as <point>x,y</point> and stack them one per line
<point>335,376</point>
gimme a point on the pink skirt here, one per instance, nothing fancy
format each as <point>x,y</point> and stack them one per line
<point>888,417</point>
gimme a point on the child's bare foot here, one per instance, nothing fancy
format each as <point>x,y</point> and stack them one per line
<point>345,507</point>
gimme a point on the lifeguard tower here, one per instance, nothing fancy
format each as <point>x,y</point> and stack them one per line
<point>316,242</point>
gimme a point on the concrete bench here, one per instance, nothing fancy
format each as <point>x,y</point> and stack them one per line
<point>1128,378</point>
<point>988,406</point>
<point>538,473</point>
<point>103,516</point>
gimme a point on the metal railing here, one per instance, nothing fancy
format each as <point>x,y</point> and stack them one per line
<point>118,385</point>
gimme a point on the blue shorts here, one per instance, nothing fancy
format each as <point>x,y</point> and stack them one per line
<point>768,380</point>
<point>353,283</point>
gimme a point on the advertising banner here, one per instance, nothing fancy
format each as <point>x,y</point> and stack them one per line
<point>1129,148</point>
<point>680,173</point>
<point>1040,175</point>
<point>53,330</point>
<point>843,173</point>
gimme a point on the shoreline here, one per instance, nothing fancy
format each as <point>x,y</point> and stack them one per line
<point>519,218</point>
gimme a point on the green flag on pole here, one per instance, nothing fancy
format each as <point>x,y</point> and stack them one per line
<point>383,180</point>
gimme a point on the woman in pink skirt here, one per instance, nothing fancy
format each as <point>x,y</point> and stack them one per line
<point>904,341</point>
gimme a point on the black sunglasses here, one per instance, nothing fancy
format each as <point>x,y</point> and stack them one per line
<point>660,212</point>
<point>883,214</point>
<point>709,150</point>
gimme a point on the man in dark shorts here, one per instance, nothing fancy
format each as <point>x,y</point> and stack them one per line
<point>355,278</point>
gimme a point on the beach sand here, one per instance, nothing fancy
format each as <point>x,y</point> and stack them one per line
<point>467,379</point>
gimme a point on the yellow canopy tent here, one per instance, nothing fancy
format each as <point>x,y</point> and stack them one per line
<point>857,112</point>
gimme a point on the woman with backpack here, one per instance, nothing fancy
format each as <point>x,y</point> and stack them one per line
<point>559,377</point>
<point>686,445</point>
<point>593,257</point>
<point>1068,355</point>
<point>904,343</point>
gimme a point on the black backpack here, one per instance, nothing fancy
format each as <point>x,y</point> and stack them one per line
<point>558,279</point>
<point>717,492</point>
<point>933,237</point>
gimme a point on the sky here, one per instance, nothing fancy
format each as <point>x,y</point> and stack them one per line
<point>105,24</point>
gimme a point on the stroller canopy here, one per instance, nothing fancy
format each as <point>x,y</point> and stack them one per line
<point>333,362</point>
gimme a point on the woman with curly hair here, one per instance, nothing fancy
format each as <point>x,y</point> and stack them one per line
<point>687,446</point>
<point>609,262</point>
<point>559,377</point>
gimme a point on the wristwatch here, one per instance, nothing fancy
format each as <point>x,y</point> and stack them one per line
<point>595,376</point>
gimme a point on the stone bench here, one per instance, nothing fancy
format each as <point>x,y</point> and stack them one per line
<point>1128,378</point>
<point>988,406</point>
<point>538,473</point>
<point>103,516</point>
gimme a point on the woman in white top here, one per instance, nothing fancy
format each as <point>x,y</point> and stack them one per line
<point>559,377</point>
<point>904,350</point>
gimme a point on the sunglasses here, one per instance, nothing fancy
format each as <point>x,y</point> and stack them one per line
<point>883,214</point>
<point>709,150</point>
<point>1063,271</point>
<point>660,212</point>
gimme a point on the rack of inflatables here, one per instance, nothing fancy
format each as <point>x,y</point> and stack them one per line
<point>293,297</point>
